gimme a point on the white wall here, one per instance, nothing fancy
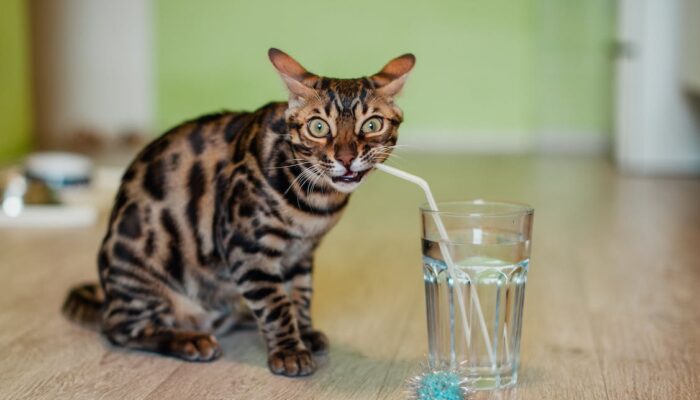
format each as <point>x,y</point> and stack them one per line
<point>691,46</point>
<point>93,69</point>
<point>658,130</point>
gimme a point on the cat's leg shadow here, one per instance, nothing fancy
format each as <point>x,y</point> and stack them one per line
<point>340,369</point>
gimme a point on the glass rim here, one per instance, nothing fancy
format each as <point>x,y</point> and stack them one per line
<point>519,209</point>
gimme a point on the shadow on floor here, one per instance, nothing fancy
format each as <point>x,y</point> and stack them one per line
<point>338,372</point>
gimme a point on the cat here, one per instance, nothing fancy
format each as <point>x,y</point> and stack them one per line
<point>216,222</point>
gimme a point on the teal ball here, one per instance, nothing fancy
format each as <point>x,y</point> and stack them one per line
<point>440,385</point>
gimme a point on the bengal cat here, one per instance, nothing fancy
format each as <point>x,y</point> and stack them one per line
<point>216,222</point>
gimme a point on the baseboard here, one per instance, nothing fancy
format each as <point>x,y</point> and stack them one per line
<point>464,141</point>
<point>545,142</point>
<point>661,166</point>
<point>560,141</point>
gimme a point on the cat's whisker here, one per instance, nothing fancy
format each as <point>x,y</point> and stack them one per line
<point>392,162</point>
<point>316,180</point>
<point>284,166</point>
<point>308,176</point>
<point>396,146</point>
<point>293,182</point>
<point>400,147</point>
<point>289,166</point>
<point>387,156</point>
<point>382,151</point>
<point>317,173</point>
<point>293,161</point>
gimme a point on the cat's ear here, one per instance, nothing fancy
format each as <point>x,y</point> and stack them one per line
<point>299,81</point>
<point>389,81</point>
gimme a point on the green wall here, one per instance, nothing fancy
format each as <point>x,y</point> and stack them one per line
<point>573,65</point>
<point>498,67</point>
<point>474,57</point>
<point>15,107</point>
<point>507,69</point>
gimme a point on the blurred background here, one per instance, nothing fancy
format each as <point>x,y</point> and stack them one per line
<point>611,79</point>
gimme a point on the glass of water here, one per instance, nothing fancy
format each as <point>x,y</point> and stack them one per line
<point>475,316</point>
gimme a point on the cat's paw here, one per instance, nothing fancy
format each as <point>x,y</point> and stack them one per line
<point>195,347</point>
<point>293,362</point>
<point>316,341</point>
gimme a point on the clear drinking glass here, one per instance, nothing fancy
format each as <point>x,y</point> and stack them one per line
<point>489,247</point>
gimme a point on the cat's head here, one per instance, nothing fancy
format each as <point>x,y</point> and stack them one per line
<point>340,128</point>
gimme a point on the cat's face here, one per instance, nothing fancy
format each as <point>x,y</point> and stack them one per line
<point>340,128</point>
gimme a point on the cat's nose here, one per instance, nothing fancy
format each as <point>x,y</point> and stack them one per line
<point>345,159</point>
<point>345,155</point>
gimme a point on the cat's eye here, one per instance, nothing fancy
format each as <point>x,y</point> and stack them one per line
<point>318,128</point>
<point>372,125</point>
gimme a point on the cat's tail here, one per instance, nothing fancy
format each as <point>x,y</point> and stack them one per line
<point>84,305</point>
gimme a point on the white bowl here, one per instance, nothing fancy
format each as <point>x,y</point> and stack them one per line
<point>59,169</point>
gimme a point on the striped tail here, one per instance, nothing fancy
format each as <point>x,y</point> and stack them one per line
<point>84,305</point>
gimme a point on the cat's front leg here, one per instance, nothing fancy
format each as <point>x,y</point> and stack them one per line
<point>266,296</point>
<point>301,290</point>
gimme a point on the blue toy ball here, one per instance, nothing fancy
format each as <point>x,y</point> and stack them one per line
<point>438,385</point>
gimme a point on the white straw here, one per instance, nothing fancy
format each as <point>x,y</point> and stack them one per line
<point>451,269</point>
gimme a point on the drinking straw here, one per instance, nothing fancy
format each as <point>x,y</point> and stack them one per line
<point>451,269</point>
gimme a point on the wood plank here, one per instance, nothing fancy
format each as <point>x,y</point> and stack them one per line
<point>610,311</point>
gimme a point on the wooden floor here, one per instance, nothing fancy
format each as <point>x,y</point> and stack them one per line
<point>612,309</point>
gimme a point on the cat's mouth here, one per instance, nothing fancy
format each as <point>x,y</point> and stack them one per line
<point>349,177</point>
